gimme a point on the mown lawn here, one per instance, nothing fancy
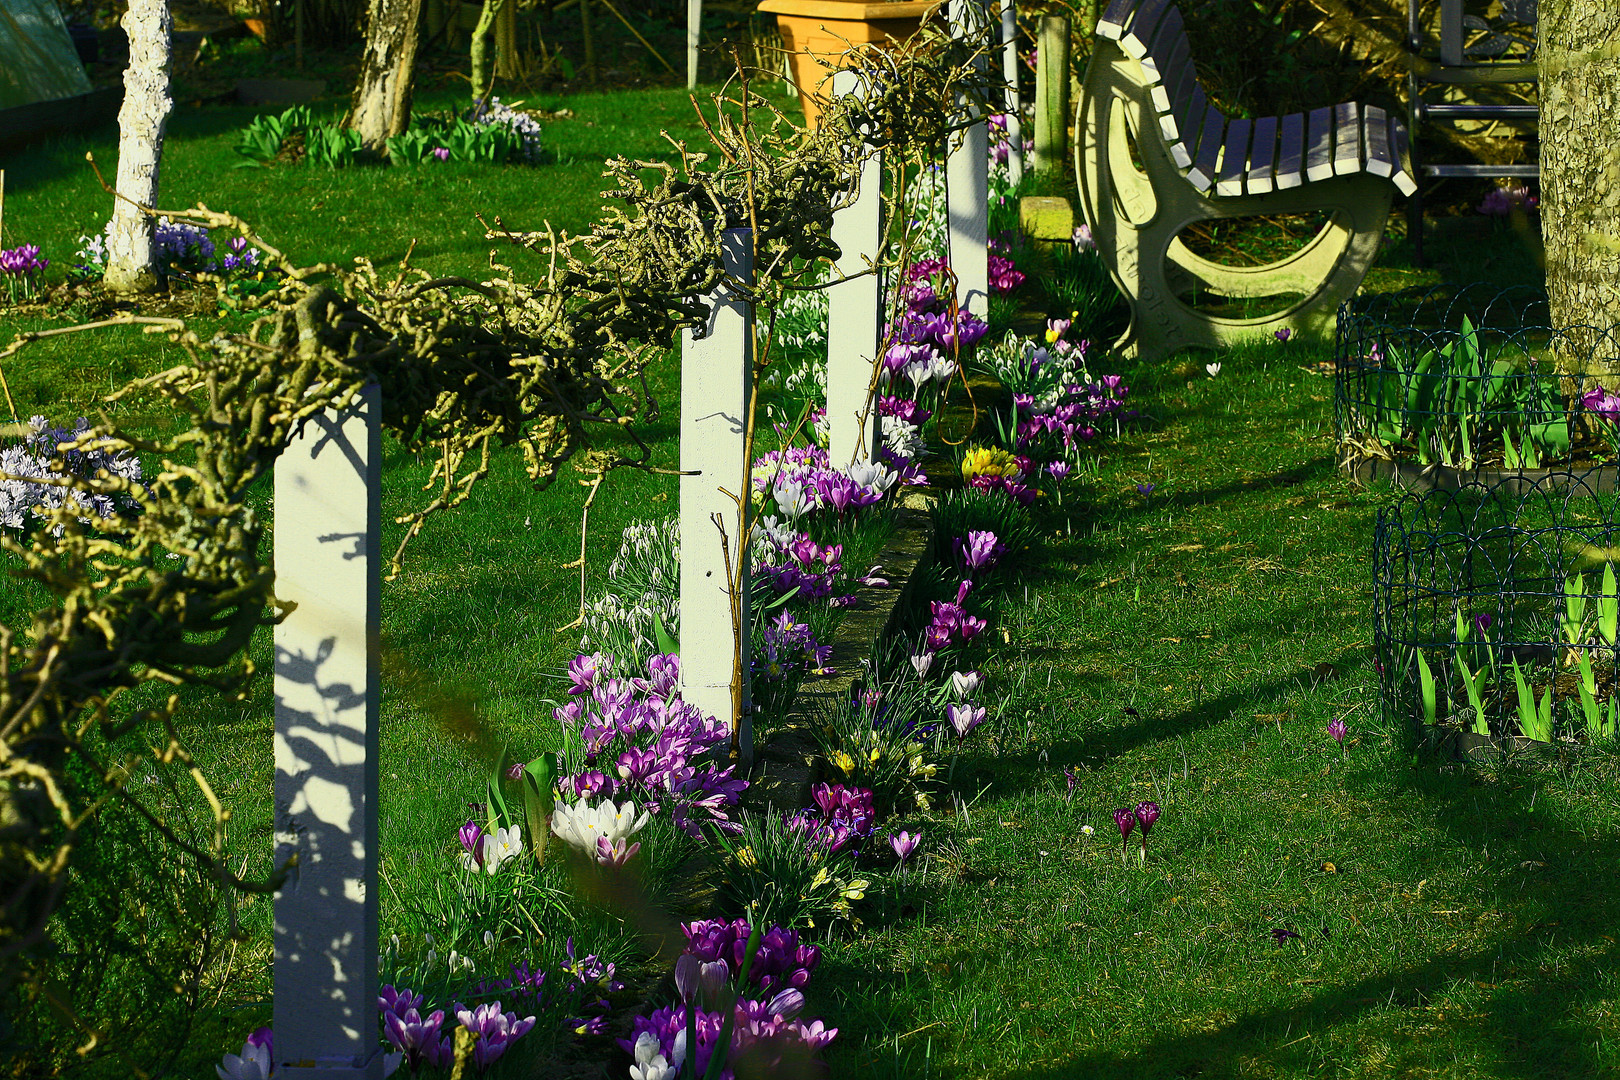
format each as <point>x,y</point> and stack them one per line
<point>1188,645</point>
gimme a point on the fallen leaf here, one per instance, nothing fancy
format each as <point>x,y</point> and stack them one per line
<point>1188,547</point>
<point>1329,868</point>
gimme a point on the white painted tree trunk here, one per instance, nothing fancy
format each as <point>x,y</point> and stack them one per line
<point>855,311</point>
<point>328,532</point>
<point>131,265</point>
<point>715,373</point>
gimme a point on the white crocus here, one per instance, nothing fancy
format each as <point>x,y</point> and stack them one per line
<point>941,368</point>
<point>252,1064</point>
<point>581,825</point>
<point>791,499</point>
<point>650,1062</point>
<point>1213,369</point>
<point>873,475</point>
<point>963,684</point>
<point>505,844</point>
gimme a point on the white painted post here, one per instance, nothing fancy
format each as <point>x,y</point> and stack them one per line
<point>328,526</point>
<point>694,30</point>
<point>1051,92</point>
<point>967,186</point>
<point>1009,73</point>
<point>715,373</point>
<point>855,310</point>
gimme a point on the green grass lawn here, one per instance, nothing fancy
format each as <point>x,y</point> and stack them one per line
<point>1170,646</point>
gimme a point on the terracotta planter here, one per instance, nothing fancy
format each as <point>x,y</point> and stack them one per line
<point>815,30</point>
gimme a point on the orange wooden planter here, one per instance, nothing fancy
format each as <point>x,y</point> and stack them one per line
<point>825,29</point>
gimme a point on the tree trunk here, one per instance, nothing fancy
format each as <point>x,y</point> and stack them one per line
<point>381,106</point>
<point>130,259</point>
<point>1578,61</point>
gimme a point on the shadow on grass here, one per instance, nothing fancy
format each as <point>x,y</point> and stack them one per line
<point>1552,892</point>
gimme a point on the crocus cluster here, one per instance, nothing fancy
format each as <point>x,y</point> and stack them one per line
<point>1004,276</point>
<point>602,831</point>
<point>964,714</point>
<point>979,551</point>
<point>995,469</point>
<point>1503,201</point>
<point>24,259</point>
<point>422,1041</point>
<point>901,420</point>
<point>642,739</point>
<point>790,560</point>
<point>487,851</point>
<point>765,1033</point>
<point>30,461</point>
<point>176,245</point>
<point>494,114</point>
<point>842,817</point>
<point>781,960</point>
<point>951,624</point>
<point>800,480</point>
<point>788,648</point>
<point>1145,814</point>
<point>929,335</point>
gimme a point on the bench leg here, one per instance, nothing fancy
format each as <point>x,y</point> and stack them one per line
<point>1136,215</point>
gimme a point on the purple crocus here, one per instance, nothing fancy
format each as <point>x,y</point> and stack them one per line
<point>1283,335</point>
<point>1482,623</point>
<point>1336,728</point>
<point>981,551</point>
<point>472,838</point>
<point>416,1037</point>
<point>442,153</point>
<point>964,718</point>
<point>1071,775</point>
<point>496,1031</point>
<point>904,844</point>
<point>1126,820</point>
<point>1282,934</point>
<point>1058,470</point>
<point>1144,489</point>
<point>1146,813</point>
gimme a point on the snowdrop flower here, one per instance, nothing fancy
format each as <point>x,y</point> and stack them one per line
<point>585,827</point>
<point>1213,369</point>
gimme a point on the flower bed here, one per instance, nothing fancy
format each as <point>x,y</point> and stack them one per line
<point>1495,612</point>
<point>1432,385</point>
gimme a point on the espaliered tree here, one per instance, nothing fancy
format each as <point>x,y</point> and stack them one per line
<point>1578,64</point>
<point>172,590</point>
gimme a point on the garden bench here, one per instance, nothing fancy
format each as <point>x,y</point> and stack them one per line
<point>1154,155</point>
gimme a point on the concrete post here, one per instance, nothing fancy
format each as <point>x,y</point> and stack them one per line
<point>1009,73</point>
<point>328,526</point>
<point>967,185</point>
<point>716,369</point>
<point>855,311</point>
<point>1051,92</point>
<point>694,30</point>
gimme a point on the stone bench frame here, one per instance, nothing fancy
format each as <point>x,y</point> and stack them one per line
<point>1197,165</point>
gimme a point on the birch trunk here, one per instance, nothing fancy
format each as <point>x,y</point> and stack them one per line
<point>381,105</point>
<point>1578,61</point>
<point>131,266</point>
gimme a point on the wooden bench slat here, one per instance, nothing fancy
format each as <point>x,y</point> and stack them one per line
<point>1234,158</point>
<point>1139,34</point>
<point>1398,147</point>
<point>1184,126</point>
<point>1112,23</point>
<point>1347,138</point>
<point>1202,175</point>
<point>1319,144</point>
<point>1167,58</point>
<point>1291,153</point>
<point>1260,176</point>
<point>1380,161</point>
